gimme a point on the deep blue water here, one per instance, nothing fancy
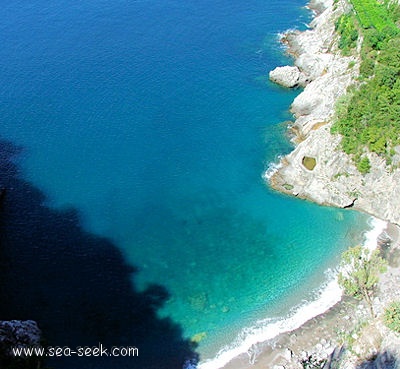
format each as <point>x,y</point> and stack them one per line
<point>155,120</point>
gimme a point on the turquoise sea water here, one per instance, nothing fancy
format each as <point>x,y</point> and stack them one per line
<point>155,120</point>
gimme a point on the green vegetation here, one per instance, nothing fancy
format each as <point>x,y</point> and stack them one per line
<point>287,186</point>
<point>347,29</point>
<point>363,165</point>
<point>368,117</point>
<point>352,64</point>
<point>360,269</point>
<point>372,14</point>
<point>349,338</point>
<point>392,316</point>
<point>340,174</point>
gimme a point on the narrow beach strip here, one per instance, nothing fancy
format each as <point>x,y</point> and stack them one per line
<point>265,330</point>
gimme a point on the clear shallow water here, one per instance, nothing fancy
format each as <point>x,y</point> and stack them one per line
<point>155,120</point>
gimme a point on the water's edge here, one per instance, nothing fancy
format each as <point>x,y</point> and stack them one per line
<point>326,297</point>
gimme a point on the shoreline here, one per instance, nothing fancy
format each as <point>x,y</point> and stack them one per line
<point>301,331</point>
<point>319,338</point>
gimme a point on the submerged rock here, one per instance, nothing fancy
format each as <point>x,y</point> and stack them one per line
<point>199,301</point>
<point>198,337</point>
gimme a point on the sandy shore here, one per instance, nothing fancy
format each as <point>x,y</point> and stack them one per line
<point>321,330</point>
<point>322,334</point>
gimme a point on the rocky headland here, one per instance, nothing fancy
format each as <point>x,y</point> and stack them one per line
<point>317,169</point>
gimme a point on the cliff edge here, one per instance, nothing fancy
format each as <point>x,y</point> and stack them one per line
<point>317,169</point>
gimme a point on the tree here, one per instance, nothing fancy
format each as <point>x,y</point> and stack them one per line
<point>392,316</point>
<point>360,269</point>
<point>364,165</point>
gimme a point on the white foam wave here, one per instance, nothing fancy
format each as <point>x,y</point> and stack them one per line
<point>265,330</point>
<point>328,296</point>
<point>372,236</point>
<point>271,170</point>
<point>282,35</point>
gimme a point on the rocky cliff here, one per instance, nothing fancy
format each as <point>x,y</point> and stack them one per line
<point>317,169</point>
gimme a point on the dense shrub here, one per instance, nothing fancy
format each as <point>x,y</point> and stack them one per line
<point>347,29</point>
<point>367,67</point>
<point>392,316</point>
<point>359,275</point>
<point>374,14</point>
<point>370,115</point>
<point>363,165</point>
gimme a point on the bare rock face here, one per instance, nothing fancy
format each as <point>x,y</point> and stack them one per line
<point>286,76</point>
<point>319,5</point>
<point>317,184</point>
<point>313,65</point>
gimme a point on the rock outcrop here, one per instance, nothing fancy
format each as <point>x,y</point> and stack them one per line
<point>287,76</point>
<point>17,334</point>
<point>334,180</point>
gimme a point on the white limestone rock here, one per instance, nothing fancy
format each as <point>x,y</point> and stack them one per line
<point>313,65</point>
<point>286,76</point>
<point>319,5</point>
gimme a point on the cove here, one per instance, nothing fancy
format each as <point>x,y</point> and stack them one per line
<point>154,120</point>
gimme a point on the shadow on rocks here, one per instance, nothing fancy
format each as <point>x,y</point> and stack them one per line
<point>77,286</point>
<point>382,360</point>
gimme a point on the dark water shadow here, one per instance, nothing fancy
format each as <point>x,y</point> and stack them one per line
<point>76,285</point>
